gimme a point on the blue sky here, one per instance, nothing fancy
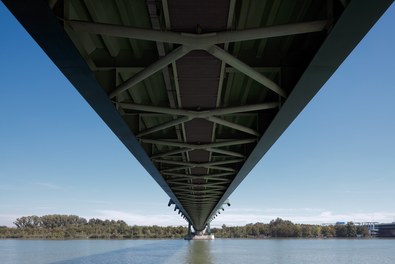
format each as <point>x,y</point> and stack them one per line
<point>336,162</point>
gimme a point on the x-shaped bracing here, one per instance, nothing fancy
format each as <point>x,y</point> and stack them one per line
<point>187,115</point>
<point>209,43</point>
<point>186,147</point>
<point>211,177</point>
<point>189,165</point>
<point>189,42</point>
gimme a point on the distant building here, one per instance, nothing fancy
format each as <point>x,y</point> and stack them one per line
<point>386,230</point>
<point>375,229</point>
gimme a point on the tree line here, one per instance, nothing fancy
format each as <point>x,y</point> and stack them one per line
<point>280,228</point>
<point>75,227</point>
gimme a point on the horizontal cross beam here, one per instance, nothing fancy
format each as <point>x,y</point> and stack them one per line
<point>191,191</point>
<point>183,150</point>
<point>211,179</point>
<point>198,114</point>
<point>197,41</point>
<point>205,114</point>
<point>196,184</point>
<point>206,166</point>
<point>202,196</point>
<point>208,176</point>
<point>194,164</point>
<point>199,146</point>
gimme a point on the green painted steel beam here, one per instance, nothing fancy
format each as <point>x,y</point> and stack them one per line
<point>196,41</point>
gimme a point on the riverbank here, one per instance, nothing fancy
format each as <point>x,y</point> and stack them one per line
<point>75,227</point>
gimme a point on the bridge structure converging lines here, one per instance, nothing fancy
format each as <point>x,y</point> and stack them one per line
<point>198,91</point>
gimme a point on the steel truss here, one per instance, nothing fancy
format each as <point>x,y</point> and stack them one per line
<point>196,191</point>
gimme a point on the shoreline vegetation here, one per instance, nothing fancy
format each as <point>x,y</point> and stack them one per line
<point>75,227</point>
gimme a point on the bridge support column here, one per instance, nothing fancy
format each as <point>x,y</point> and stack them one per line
<point>208,230</point>
<point>189,230</point>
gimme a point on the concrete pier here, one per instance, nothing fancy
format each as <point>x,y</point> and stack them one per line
<point>200,237</point>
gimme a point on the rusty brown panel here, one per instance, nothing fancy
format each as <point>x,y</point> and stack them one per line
<point>198,155</point>
<point>198,131</point>
<point>199,171</point>
<point>211,16</point>
<point>198,78</point>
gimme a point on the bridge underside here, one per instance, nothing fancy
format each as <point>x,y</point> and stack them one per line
<point>198,91</point>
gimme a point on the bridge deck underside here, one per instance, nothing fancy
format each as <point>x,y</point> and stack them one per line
<point>198,81</point>
<point>202,85</point>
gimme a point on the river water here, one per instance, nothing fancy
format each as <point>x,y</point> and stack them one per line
<point>274,251</point>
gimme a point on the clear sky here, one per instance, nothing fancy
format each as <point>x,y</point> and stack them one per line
<point>336,162</point>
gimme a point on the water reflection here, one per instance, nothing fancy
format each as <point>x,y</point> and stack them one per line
<point>220,251</point>
<point>199,251</point>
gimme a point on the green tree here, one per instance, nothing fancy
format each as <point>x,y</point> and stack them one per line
<point>351,229</point>
<point>363,231</point>
<point>341,230</point>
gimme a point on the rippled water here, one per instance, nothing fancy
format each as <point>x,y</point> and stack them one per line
<point>279,251</point>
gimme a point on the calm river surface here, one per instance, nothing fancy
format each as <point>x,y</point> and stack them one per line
<point>281,251</point>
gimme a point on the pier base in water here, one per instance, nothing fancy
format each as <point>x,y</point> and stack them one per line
<point>199,237</point>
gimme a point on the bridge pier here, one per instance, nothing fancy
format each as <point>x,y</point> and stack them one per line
<point>199,235</point>
<point>189,230</point>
